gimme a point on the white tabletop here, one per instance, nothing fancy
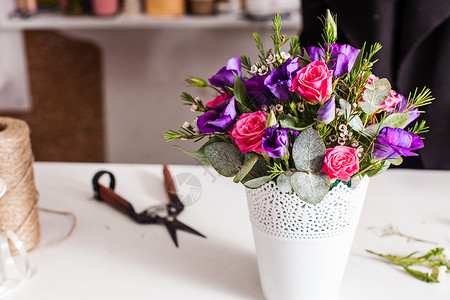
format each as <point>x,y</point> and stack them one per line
<point>108,256</point>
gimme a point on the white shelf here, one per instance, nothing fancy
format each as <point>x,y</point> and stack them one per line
<point>62,22</point>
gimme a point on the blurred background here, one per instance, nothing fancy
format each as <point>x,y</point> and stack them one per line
<point>99,80</point>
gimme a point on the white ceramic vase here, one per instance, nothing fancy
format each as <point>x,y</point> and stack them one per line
<point>302,249</point>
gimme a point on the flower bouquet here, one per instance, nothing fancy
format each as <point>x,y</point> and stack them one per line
<point>299,129</point>
<point>305,117</point>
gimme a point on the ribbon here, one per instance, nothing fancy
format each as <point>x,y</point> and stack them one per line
<point>12,270</point>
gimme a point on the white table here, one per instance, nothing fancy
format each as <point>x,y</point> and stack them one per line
<point>110,257</point>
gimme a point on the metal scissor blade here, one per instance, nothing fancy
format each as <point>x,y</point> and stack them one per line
<point>173,225</point>
<point>172,231</point>
<point>181,226</point>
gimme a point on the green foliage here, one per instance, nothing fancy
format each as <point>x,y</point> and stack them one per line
<point>310,187</point>
<point>423,98</point>
<point>259,45</point>
<point>397,120</point>
<point>377,168</point>
<point>295,47</point>
<point>375,94</point>
<point>308,151</point>
<point>419,127</point>
<point>200,153</point>
<point>246,63</point>
<point>293,123</point>
<point>226,158</point>
<point>284,182</point>
<point>246,167</point>
<point>434,260</point>
<point>357,122</point>
<point>240,94</point>
<point>396,161</point>
<point>356,69</point>
<point>183,133</point>
<point>257,182</point>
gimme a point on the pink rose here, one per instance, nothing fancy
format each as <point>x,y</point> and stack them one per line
<point>249,130</point>
<point>340,162</point>
<point>313,82</point>
<point>392,100</point>
<point>218,100</point>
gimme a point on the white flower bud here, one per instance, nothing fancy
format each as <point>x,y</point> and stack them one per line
<point>279,107</point>
<point>262,70</point>
<point>342,127</point>
<point>270,59</point>
<point>194,107</point>
<point>186,125</point>
<point>254,69</point>
<point>339,112</point>
<point>330,26</point>
<point>285,55</point>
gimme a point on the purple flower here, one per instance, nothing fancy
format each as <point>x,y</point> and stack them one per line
<point>275,141</point>
<point>280,80</point>
<point>342,57</point>
<point>404,105</point>
<point>393,142</point>
<point>225,76</point>
<point>258,91</point>
<point>219,118</point>
<point>327,111</point>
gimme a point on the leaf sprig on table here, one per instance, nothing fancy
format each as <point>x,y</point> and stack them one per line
<point>436,260</point>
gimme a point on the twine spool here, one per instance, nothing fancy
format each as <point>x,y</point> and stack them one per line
<point>19,206</point>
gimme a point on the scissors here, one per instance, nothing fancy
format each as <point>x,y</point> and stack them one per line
<point>165,214</point>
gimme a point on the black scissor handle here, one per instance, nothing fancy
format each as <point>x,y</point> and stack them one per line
<point>96,184</point>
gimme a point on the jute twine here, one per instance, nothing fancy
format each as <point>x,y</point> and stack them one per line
<point>19,206</point>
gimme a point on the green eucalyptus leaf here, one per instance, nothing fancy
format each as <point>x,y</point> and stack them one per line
<point>356,123</point>
<point>308,151</point>
<point>310,187</point>
<point>200,153</point>
<point>284,182</point>
<point>380,168</point>
<point>397,120</point>
<point>396,161</point>
<point>246,167</point>
<point>346,107</point>
<point>226,158</point>
<point>373,130</point>
<point>377,92</point>
<point>257,182</point>
<point>368,108</point>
